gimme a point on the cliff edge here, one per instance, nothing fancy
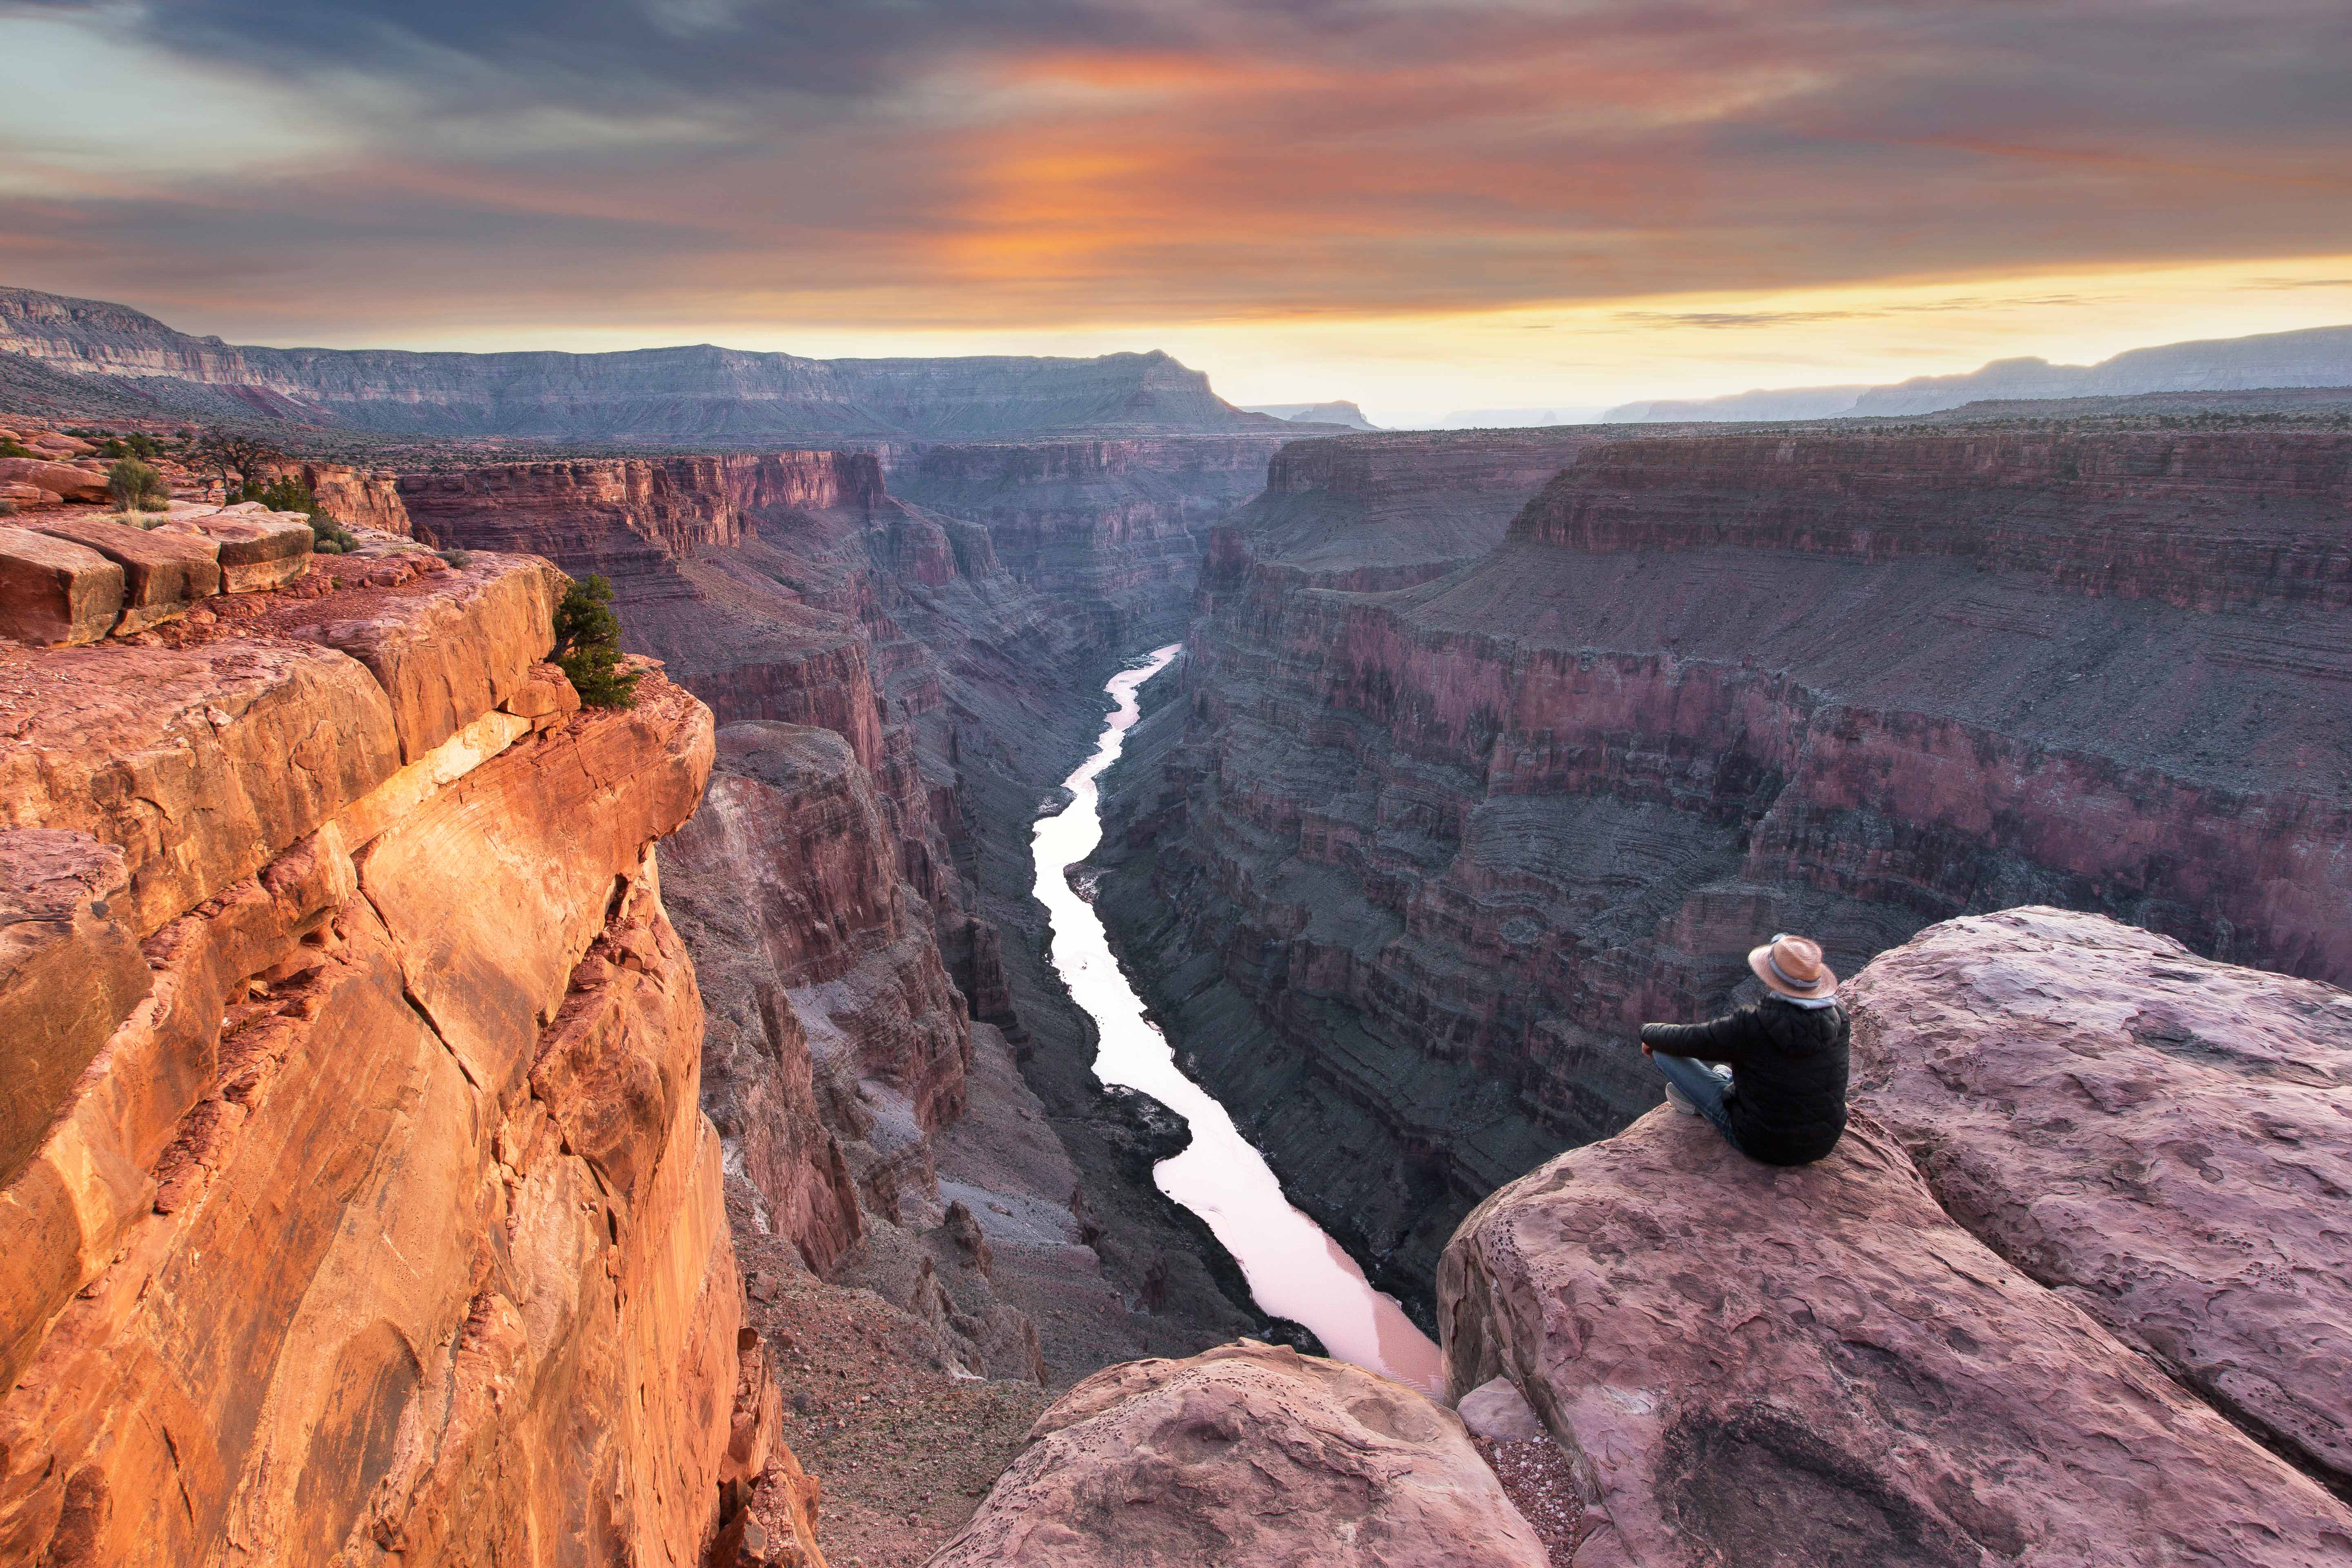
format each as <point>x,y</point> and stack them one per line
<point>358,1197</point>
<point>2074,1356</point>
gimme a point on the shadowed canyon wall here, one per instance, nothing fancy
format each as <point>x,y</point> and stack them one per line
<point>366,1211</point>
<point>1404,869</point>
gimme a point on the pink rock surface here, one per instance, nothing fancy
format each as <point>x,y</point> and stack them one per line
<point>2166,1139</point>
<point>57,479</point>
<point>164,573</point>
<point>55,591</point>
<point>1759,1367</point>
<point>1247,1453</point>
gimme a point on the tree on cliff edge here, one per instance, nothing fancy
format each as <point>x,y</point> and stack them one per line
<point>588,645</point>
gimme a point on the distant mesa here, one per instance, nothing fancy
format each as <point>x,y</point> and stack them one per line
<point>700,394</point>
<point>1339,412</point>
<point>2316,356</point>
<point>1513,418</point>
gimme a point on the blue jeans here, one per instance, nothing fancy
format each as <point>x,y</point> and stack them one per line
<point>1701,1086</point>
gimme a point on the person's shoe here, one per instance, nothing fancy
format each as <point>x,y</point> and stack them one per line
<point>1679,1100</point>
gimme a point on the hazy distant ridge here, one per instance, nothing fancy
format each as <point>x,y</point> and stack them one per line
<point>691,394</point>
<point>2316,356</point>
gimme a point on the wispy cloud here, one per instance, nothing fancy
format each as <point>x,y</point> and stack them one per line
<point>426,166</point>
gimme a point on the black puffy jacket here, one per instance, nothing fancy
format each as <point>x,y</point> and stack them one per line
<point>1788,1075</point>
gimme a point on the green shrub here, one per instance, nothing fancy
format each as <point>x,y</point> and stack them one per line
<point>461,559</point>
<point>286,493</point>
<point>7,507</point>
<point>17,449</point>
<point>588,645</point>
<point>136,487</point>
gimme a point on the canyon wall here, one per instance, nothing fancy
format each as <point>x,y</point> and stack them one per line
<point>1405,868</point>
<point>887,684</point>
<point>1111,533</point>
<point>358,1196</point>
<point>698,394</point>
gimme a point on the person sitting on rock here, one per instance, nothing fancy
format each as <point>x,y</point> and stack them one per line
<point>1782,1100</point>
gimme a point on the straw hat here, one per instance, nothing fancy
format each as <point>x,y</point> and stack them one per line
<point>1792,966</point>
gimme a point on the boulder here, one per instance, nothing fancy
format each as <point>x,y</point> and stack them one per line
<point>1496,1410</point>
<point>1767,1367</point>
<point>1248,1454</point>
<point>55,591</point>
<point>260,549</point>
<point>26,495</point>
<point>72,484</point>
<point>2165,1140</point>
<point>164,573</point>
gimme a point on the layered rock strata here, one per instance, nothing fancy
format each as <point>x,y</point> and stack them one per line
<point>360,1203</point>
<point>1111,533</point>
<point>1824,1364</point>
<point>667,394</point>
<point>1248,1453</point>
<point>798,591</point>
<point>1404,869</point>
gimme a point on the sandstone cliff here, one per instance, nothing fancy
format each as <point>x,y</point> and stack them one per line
<point>1408,867</point>
<point>1826,1365</point>
<point>361,1208</point>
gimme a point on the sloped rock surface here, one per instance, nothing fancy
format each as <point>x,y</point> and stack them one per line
<point>1246,1454</point>
<point>384,1223</point>
<point>1758,1367</point>
<point>2164,1140</point>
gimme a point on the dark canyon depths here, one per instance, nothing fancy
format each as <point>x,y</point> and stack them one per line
<point>1446,800</point>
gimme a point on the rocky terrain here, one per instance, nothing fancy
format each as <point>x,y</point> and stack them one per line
<point>1402,869</point>
<point>360,1198</point>
<point>2002,1352</point>
<point>700,394</point>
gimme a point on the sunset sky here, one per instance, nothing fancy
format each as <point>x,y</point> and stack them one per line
<point>1422,204</point>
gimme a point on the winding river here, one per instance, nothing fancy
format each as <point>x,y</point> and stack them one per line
<point>1295,1270</point>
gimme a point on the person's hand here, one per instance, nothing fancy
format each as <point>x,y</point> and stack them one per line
<point>1646,1048</point>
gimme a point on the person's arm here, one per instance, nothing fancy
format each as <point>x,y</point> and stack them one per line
<point>1731,1038</point>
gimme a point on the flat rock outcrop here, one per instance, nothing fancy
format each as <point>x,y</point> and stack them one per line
<point>1758,1367</point>
<point>1246,1454</point>
<point>1408,867</point>
<point>360,1207</point>
<point>2158,1138</point>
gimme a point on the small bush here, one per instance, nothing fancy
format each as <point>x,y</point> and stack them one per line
<point>136,487</point>
<point>7,507</point>
<point>329,536</point>
<point>460,559</point>
<point>17,449</point>
<point>588,645</point>
<point>285,494</point>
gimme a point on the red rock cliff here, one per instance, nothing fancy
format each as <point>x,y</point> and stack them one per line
<point>368,1212</point>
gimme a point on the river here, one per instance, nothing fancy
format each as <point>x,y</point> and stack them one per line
<point>1295,1270</point>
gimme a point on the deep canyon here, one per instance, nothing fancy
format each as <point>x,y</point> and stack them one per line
<point>524,1133</point>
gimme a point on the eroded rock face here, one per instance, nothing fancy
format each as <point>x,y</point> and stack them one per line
<point>663,395</point>
<point>1410,865</point>
<point>2160,1138</point>
<point>823,977</point>
<point>1761,1367</point>
<point>1246,1454</point>
<point>384,1224</point>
